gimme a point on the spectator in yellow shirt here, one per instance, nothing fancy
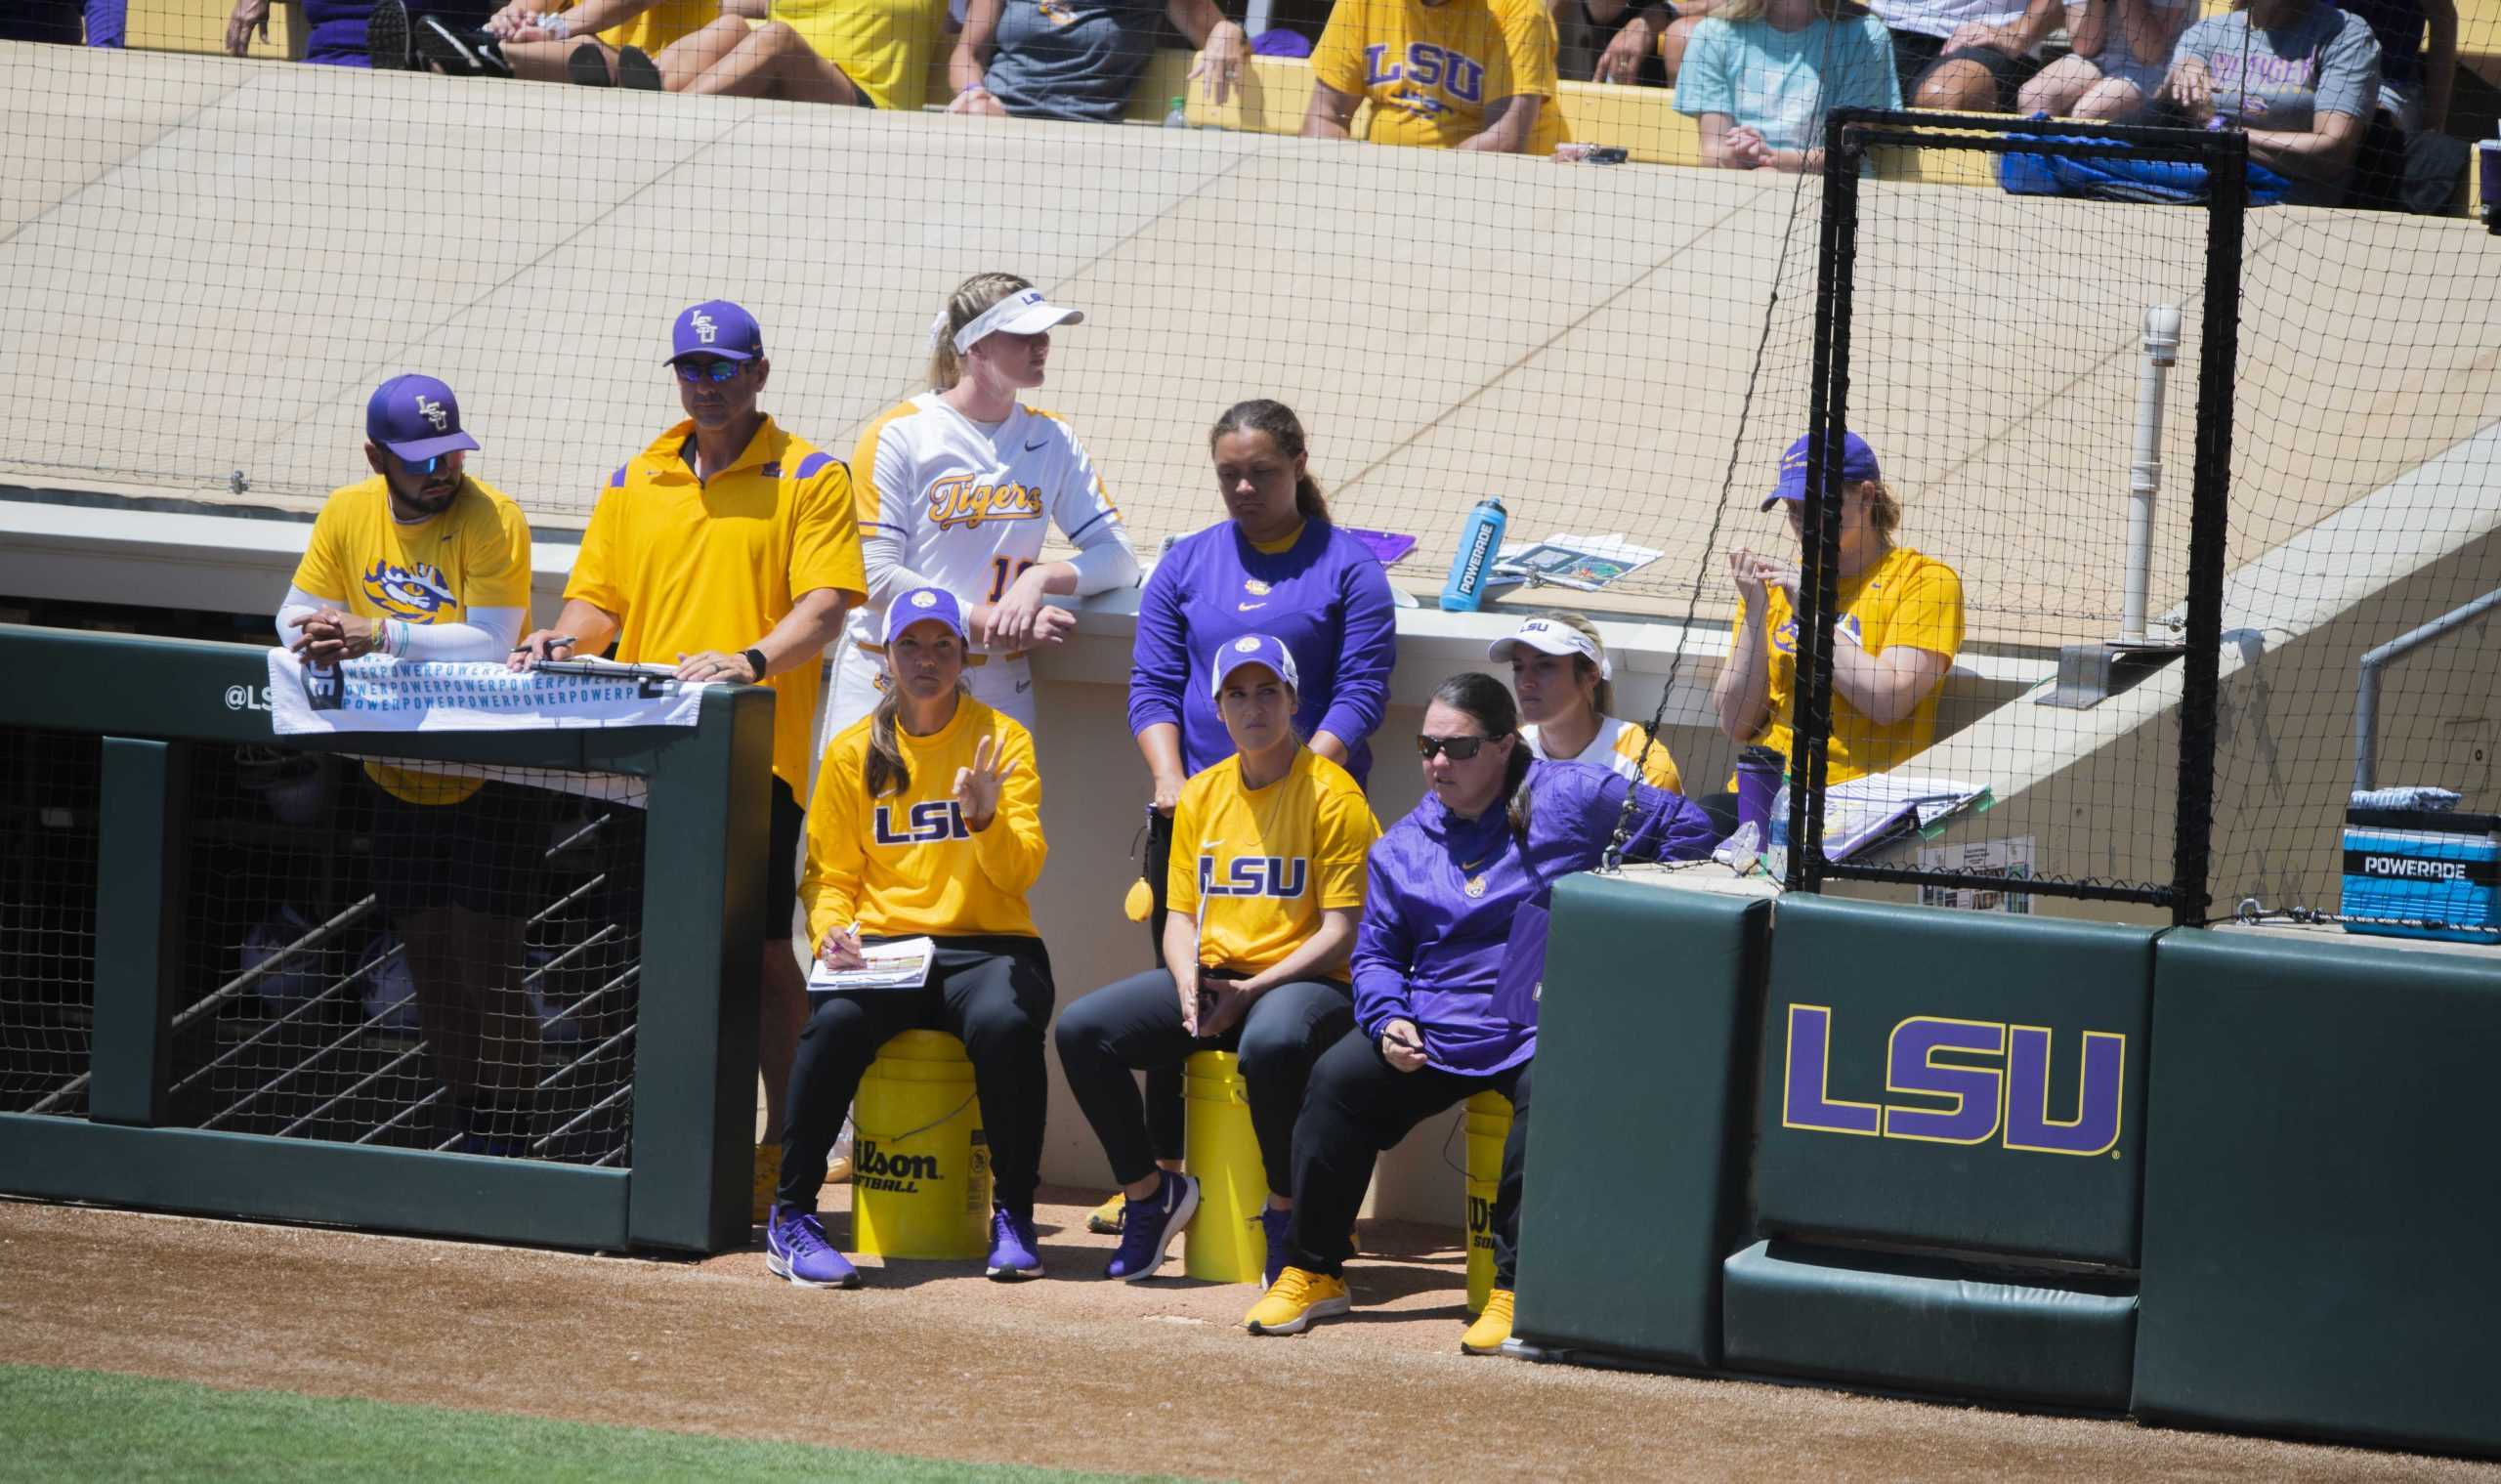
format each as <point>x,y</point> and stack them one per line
<point>926,822</point>
<point>1900,623</point>
<point>1451,75</point>
<point>424,561</point>
<point>727,549</point>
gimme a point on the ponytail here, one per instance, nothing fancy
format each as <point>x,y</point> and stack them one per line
<point>964,306</point>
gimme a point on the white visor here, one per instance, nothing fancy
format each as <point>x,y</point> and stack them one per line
<point>1023,312</point>
<point>1548,636</point>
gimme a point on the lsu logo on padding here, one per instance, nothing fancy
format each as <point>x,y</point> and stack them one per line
<point>1282,876</point>
<point>924,823</point>
<point>418,592</point>
<point>968,500</point>
<point>2008,1102</point>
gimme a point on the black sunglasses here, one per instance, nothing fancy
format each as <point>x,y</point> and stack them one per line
<point>1457,749</point>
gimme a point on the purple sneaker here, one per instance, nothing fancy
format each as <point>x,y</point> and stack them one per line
<point>1274,1222</point>
<point>1013,1251</point>
<point>795,1248</point>
<point>1148,1227</point>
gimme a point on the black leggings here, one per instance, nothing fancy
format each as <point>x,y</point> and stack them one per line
<point>994,993</point>
<point>1359,1105</point>
<point>1136,1024</point>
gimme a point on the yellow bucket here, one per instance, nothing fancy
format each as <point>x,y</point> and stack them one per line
<point>920,1166</point>
<point>1225,1242</point>
<point>1489,1124</point>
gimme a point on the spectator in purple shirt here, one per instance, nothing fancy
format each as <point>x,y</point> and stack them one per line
<point>1447,967</point>
<point>1277,566</point>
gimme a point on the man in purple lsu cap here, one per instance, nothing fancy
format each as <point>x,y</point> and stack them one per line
<point>1900,623</point>
<point>727,549</point>
<point>424,562</point>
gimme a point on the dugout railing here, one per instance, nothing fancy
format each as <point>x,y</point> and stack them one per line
<point>114,1009</point>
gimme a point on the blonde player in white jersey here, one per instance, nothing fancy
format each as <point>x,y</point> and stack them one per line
<point>1566,690</point>
<point>956,486</point>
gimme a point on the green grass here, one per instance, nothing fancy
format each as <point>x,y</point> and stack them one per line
<point>86,1424</point>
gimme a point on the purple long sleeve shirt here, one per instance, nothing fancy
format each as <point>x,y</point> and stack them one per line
<point>1325,596</point>
<point>1434,954</point>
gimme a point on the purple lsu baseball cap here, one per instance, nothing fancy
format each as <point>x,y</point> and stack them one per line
<point>716,327</point>
<point>1253,648</point>
<point>1857,465</point>
<point>925,605</point>
<point>415,417</point>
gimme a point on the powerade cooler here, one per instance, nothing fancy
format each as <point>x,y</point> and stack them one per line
<point>2423,873</point>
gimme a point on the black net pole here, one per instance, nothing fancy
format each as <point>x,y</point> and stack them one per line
<point>2209,528</point>
<point>1819,584</point>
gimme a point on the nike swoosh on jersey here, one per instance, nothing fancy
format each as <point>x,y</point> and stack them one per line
<point>1244,607</point>
<point>1030,447</point>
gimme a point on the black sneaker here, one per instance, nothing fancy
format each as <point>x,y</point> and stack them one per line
<point>635,69</point>
<point>458,54</point>
<point>587,65</point>
<point>386,37</point>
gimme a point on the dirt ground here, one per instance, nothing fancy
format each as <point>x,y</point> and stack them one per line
<point>931,1359</point>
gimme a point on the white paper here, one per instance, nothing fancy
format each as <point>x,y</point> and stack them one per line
<point>1865,809</point>
<point>903,964</point>
<point>1566,560</point>
<point>2002,857</point>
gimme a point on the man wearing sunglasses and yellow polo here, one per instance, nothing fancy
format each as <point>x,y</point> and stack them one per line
<point>727,549</point>
<point>425,562</point>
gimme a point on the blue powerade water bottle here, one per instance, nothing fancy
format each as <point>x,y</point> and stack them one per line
<point>1480,540</point>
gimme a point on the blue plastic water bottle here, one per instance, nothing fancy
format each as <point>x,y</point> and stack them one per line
<point>1480,540</point>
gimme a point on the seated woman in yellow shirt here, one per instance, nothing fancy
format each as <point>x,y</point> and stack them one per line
<point>1266,884</point>
<point>871,53</point>
<point>1450,74</point>
<point>1900,624</point>
<point>926,821</point>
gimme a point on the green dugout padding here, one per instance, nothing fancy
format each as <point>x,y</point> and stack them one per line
<point>2321,1203</point>
<point>1640,1062</point>
<point>1901,1323</point>
<point>1936,1079</point>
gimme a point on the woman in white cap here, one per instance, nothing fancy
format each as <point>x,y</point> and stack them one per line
<point>926,821</point>
<point>1265,889</point>
<point>956,487</point>
<point>1566,690</point>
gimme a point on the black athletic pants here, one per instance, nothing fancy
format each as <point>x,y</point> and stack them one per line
<point>1162,1084</point>
<point>993,993</point>
<point>1359,1105</point>
<point>1135,1025</point>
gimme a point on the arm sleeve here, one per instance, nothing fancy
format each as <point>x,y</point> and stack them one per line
<point>1370,648</point>
<point>885,516</point>
<point>1159,654</point>
<point>1181,876</point>
<point>825,545</point>
<point>1010,852</point>
<point>830,884</point>
<point>1384,952</point>
<point>489,634</point>
<point>2349,74</point>
<point>599,569</point>
<point>1346,831</point>
<point>296,605</point>
<point>1706,83</point>
<point>1338,62</point>
<point>1105,559</point>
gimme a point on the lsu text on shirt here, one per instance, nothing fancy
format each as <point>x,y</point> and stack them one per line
<point>1622,748</point>
<point>966,509</point>
<point>1431,71</point>
<point>1268,861</point>
<point>692,565</point>
<point>883,46</point>
<point>1905,599</point>
<point>475,554</point>
<point>903,864</point>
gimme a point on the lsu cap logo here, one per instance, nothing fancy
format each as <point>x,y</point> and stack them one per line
<point>924,598</point>
<point>704,329</point>
<point>433,411</point>
<point>1246,646</point>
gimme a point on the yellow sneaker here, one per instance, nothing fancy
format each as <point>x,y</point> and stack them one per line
<point>1299,1298</point>
<point>1486,1335</point>
<point>1106,1217</point>
<point>768,1179</point>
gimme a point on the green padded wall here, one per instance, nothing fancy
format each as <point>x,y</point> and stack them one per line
<point>1868,1001</point>
<point>1640,1059</point>
<point>2321,1205</point>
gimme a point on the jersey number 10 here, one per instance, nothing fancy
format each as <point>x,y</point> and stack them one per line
<point>1003,570</point>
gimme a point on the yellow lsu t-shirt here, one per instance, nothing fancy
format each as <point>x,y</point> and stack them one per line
<point>903,864</point>
<point>1432,69</point>
<point>883,46</point>
<point>1904,599</point>
<point>1269,861</point>
<point>692,565</point>
<point>475,554</point>
<point>662,24</point>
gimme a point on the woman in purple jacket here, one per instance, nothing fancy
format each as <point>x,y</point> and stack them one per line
<point>1447,965</point>
<point>1277,566</point>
